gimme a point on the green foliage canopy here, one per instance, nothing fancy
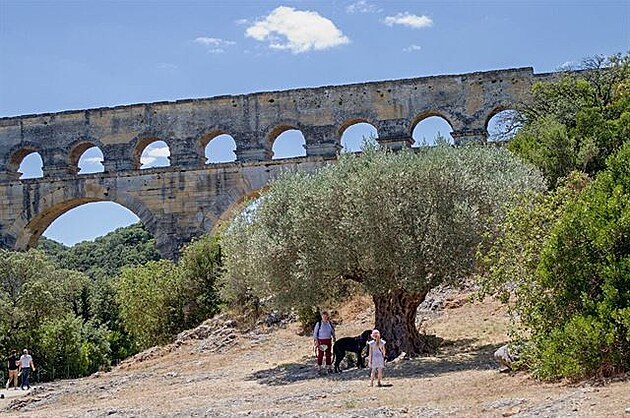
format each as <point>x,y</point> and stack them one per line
<point>566,263</point>
<point>396,224</point>
<point>160,298</point>
<point>41,308</point>
<point>576,122</point>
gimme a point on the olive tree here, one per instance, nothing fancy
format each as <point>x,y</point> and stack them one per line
<point>396,224</point>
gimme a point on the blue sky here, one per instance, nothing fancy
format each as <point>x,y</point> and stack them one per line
<point>59,55</point>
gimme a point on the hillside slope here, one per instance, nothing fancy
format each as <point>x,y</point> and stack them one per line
<point>216,370</point>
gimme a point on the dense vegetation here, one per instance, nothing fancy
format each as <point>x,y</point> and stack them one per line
<point>576,122</point>
<point>159,299</point>
<point>393,224</point>
<point>80,309</point>
<point>107,255</point>
<point>562,261</point>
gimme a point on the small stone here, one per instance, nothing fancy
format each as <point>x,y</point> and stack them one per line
<point>627,411</point>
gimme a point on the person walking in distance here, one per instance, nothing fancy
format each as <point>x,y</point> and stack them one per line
<point>376,357</point>
<point>324,338</point>
<point>26,367</point>
<point>12,365</point>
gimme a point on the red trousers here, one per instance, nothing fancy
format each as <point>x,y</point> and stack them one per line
<point>320,353</point>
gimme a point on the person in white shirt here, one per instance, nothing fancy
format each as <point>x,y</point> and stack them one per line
<point>26,367</point>
<point>323,339</point>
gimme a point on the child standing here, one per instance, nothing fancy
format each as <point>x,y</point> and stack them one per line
<point>376,357</point>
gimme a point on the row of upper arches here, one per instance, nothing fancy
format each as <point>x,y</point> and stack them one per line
<point>218,147</point>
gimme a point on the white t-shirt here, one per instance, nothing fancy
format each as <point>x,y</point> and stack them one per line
<point>25,360</point>
<point>323,330</point>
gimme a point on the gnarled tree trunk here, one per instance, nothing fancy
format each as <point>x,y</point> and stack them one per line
<point>395,318</point>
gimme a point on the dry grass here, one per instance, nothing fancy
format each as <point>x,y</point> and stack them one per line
<point>272,374</point>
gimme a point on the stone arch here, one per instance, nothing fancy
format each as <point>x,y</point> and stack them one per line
<point>343,126</point>
<point>450,119</point>
<point>439,117</point>
<point>17,154</point>
<point>141,145</point>
<point>501,123</point>
<point>28,230</point>
<point>279,129</point>
<point>228,213</point>
<point>354,144</point>
<point>77,150</point>
<point>205,142</point>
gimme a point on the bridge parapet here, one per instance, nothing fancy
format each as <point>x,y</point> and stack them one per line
<point>186,199</point>
<point>465,101</point>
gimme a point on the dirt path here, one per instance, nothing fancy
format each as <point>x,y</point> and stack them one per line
<point>264,375</point>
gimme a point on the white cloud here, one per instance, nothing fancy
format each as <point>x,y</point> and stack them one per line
<point>214,45</point>
<point>146,160</point>
<point>158,152</point>
<point>408,19</point>
<point>167,67</point>
<point>362,6</point>
<point>296,30</point>
<point>412,48</point>
<point>152,153</point>
<point>92,160</point>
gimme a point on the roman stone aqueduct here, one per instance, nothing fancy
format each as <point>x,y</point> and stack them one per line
<point>186,199</point>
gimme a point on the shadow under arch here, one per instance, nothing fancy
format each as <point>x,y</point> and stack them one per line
<point>28,231</point>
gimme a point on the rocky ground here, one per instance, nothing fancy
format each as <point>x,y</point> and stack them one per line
<point>217,370</point>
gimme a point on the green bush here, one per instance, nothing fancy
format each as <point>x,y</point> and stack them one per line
<point>585,274</point>
<point>563,264</point>
<point>160,298</point>
<point>577,121</point>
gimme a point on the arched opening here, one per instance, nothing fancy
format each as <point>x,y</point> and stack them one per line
<point>91,161</point>
<point>155,154</point>
<point>355,134</point>
<point>246,203</point>
<point>220,149</point>
<point>503,125</point>
<point>88,222</point>
<point>29,165</point>
<point>430,130</point>
<point>289,143</point>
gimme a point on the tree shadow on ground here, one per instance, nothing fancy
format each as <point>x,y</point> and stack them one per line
<point>454,356</point>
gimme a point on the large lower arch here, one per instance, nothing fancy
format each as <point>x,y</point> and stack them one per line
<point>28,230</point>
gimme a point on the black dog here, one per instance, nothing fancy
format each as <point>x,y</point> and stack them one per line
<point>352,345</point>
